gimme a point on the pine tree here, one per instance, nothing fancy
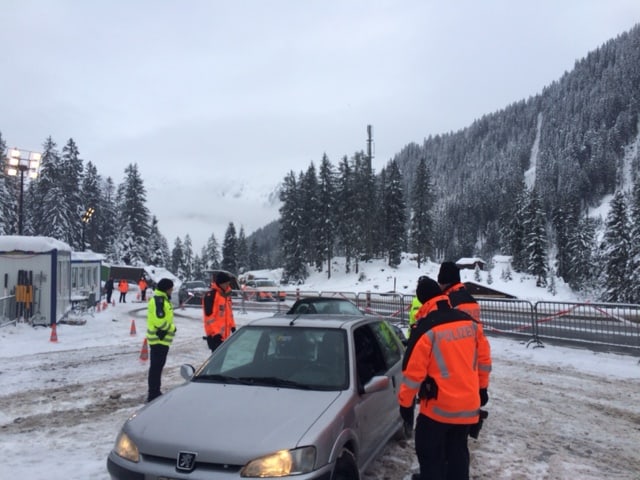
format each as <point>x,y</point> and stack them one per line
<point>7,197</point>
<point>91,198</point>
<point>46,203</point>
<point>615,251</point>
<point>177,259</point>
<point>211,257</point>
<point>346,192</point>
<point>106,217</point>
<point>395,215</point>
<point>230,249</point>
<point>291,228</point>
<point>71,170</point>
<point>243,252</point>
<point>187,257</point>
<point>157,245</point>
<point>536,240</point>
<point>327,214</point>
<point>421,222</point>
<point>634,245</point>
<point>133,217</point>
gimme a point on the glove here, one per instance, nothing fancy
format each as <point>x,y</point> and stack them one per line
<point>484,397</point>
<point>474,430</point>
<point>233,329</point>
<point>161,334</point>
<point>407,415</point>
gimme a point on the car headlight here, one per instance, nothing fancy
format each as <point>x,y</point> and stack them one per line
<point>282,463</point>
<point>125,448</point>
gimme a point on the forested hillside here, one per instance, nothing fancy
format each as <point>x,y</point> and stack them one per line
<point>520,181</point>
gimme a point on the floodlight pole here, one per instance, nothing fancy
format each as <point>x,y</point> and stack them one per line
<point>16,162</point>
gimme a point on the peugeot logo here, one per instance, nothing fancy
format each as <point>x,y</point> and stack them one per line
<point>186,461</point>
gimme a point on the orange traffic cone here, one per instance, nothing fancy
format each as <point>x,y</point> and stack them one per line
<point>104,305</point>
<point>113,302</point>
<point>144,353</point>
<point>133,327</point>
<point>98,307</point>
<point>54,334</point>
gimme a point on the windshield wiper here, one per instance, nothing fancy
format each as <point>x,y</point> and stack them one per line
<point>221,379</point>
<point>274,382</point>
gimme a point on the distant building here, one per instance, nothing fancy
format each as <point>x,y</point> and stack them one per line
<point>471,263</point>
<point>36,278</point>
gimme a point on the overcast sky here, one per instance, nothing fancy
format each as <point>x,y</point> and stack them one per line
<point>215,98</point>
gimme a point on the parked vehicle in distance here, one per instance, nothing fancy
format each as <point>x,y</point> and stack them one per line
<point>263,290</point>
<point>191,292</point>
<point>334,305</point>
<point>313,397</point>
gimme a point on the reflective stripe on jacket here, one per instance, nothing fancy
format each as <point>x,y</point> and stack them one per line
<point>160,318</point>
<point>445,346</point>
<point>221,320</point>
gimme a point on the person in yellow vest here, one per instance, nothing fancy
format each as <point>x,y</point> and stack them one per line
<point>413,309</point>
<point>160,333</point>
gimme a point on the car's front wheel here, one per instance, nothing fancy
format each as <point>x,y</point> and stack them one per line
<point>346,467</point>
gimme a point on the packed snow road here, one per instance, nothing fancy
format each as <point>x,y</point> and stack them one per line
<point>61,409</point>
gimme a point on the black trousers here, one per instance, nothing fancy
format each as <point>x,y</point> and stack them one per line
<point>442,450</point>
<point>123,297</point>
<point>214,342</point>
<point>157,359</point>
<point>109,292</point>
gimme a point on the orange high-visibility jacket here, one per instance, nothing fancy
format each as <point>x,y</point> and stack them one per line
<point>221,320</point>
<point>123,286</point>
<point>142,284</point>
<point>447,346</point>
<point>461,299</point>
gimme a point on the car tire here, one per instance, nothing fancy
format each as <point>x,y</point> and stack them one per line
<point>346,467</point>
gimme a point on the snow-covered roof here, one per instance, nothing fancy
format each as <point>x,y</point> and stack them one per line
<point>502,258</point>
<point>23,243</point>
<point>469,260</point>
<point>87,257</point>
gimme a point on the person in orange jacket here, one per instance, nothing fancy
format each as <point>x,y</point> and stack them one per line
<point>142,285</point>
<point>123,287</point>
<point>460,298</point>
<point>448,365</point>
<point>217,311</point>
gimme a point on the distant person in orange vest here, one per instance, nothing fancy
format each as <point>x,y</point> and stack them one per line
<point>142,285</point>
<point>217,312</point>
<point>123,286</point>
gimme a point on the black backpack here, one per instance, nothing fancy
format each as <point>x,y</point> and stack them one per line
<point>207,302</point>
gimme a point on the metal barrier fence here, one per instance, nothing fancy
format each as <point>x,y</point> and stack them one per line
<point>8,310</point>
<point>599,326</point>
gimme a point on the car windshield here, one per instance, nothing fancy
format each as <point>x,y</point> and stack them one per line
<point>284,357</point>
<point>265,283</point>
<point>198,284</point>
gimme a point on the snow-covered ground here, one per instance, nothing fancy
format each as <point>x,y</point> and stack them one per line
<point>554,412</point>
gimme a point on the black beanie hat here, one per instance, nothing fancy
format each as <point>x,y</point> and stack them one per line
<point>222,277</point>
<point>449,273</point>
<point>165,285</point>
<point>427,289</point>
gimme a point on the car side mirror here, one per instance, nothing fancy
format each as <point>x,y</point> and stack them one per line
<point>187,371</point>
<point>377,384</point>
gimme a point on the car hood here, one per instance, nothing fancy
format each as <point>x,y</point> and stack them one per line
<point>228,424</point>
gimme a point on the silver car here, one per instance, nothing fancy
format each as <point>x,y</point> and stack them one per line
<point>304,396</point>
